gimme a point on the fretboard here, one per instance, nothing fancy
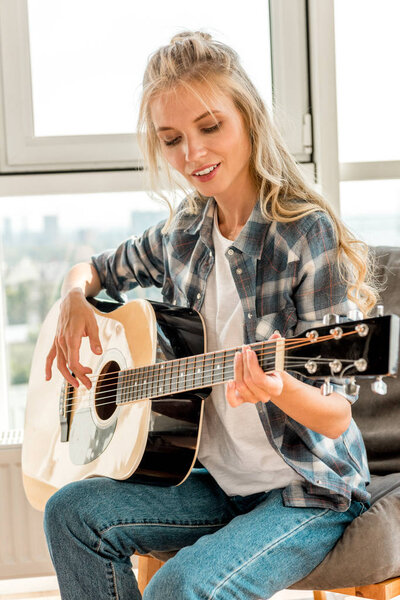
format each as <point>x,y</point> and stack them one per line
<point>189,373</point>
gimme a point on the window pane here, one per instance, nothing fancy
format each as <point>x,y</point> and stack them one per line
<point>368,84</point>
<point>42,238</point>
<point>88,59</point>
<point>371,209</point>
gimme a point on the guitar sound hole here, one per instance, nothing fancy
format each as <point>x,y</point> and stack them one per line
<point>106,391</point>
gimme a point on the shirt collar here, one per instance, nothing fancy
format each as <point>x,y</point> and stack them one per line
<point>249,241</point>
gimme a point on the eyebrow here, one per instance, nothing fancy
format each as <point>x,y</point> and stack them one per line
<point>205,114</point>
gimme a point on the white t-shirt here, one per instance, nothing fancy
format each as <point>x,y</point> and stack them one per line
<point>234,447</point>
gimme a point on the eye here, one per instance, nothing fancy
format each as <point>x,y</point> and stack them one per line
<point>171,142</point>
<point>213,128</point>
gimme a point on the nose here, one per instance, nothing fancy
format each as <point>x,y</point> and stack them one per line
<point>194,149</point>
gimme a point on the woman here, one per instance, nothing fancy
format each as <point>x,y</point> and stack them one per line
<point>258,253</point>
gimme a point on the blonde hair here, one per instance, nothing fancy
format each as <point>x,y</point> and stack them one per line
<point>194,57</point>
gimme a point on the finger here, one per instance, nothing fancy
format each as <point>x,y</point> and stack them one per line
<point>75,366</point>
<point>49,361</point>
<point>93,333</point>
<point>62,367</point>
<point>232,395</point>
<point>265,384</point>
<point>241,387</point>
<point>254,376</point>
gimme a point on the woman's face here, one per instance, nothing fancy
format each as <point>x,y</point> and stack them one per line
<point>210,149</point>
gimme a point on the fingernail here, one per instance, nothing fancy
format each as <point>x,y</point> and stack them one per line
<point>98,349</point>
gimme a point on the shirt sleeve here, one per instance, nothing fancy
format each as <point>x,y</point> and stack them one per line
<point>319,287</point>
<point>136,261</point>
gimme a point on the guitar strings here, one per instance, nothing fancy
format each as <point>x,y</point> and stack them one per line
<point>204,382</point>
<point>209,357</point>
<point>85,407</point>
<point>150,379</point>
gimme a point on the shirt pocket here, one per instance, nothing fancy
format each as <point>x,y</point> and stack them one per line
<point>283,321</point>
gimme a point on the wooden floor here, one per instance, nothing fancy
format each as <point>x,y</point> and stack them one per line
<point>46,588</point>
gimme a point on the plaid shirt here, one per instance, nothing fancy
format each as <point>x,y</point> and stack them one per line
<point>287,279</point>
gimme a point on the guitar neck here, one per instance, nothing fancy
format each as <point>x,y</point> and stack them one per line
<point>192,372</point>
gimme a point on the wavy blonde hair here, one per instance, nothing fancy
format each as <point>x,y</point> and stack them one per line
<point>194,57</point>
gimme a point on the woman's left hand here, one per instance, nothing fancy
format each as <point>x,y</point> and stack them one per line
<point>251,384</point>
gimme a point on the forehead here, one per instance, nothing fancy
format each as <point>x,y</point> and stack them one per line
<point>180,104</point>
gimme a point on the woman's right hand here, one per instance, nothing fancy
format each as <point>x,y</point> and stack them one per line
<point>76,320</point>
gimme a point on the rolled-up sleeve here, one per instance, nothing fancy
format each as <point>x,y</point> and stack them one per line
<point>136,261</point>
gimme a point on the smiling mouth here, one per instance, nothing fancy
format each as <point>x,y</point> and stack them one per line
<point>206,171</point>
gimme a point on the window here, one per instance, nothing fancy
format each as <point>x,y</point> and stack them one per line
<point>69,77</point>
<point>72,71</point>
<point>368,96</point>
<point>41,240</point>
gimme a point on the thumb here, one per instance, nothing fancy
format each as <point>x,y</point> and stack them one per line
<point>275,335</point>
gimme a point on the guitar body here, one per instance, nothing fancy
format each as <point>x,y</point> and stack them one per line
<point>152,441</point>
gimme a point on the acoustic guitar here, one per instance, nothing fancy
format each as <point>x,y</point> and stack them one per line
<point>142,417</point>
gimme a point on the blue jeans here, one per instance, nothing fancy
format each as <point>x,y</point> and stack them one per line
<point>228,548</point>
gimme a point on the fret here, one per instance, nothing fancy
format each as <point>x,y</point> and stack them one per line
<point>218,367</point>
<point>147,381</point>
<point>141,379</point>
<point>168,377</point>
<point>230,364</point>
<point>197,371</point>
<point>266,356</point>
<point>134,391</point>
<point>158,382</point>
<point>175,376</point>
<point>181,371</point>
<point>203,368</point>
<point>154,380</point>
<point>190,372</point>
<point>128,392</point>
<point>122,376</point>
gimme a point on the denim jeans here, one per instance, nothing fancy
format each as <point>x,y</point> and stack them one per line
<point>227,548</point>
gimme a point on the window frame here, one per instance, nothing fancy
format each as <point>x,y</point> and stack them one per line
<point>32,165</point>
<point>25,152</point>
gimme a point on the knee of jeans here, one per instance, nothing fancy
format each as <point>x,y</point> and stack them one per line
<point>173,582</point>
<point>60,510</point>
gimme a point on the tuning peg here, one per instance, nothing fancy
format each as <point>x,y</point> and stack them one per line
<point>379,386</point>
<point>327,387</point>
<point>351,387</point>
<point>330,319</point>
<point>355,315</point>
<point>379,309</point>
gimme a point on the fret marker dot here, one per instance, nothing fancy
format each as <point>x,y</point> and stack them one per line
<point>217,366</point>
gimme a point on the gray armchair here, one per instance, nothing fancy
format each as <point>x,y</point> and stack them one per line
<point>369,550</point>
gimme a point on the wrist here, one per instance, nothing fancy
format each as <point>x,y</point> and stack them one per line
<point>73,292</point>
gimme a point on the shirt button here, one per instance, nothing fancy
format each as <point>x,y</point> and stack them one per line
<point>174,302</point>
<point>198,296</point>
<point>319,481</point>
<point>210,254</point>
<point>239,271</point>
<point>249,315</point>
<point>230,251</point>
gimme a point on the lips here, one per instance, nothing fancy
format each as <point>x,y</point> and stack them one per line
<point>197,172</point>
<point>208,175</point>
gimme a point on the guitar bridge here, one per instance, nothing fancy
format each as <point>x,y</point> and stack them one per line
<point>65,410</point>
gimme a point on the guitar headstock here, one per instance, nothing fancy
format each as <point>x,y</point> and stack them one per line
<point>363,348</point>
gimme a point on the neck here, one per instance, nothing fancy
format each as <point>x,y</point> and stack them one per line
<point>232,219</point>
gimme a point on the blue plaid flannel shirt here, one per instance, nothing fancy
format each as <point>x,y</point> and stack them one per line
<point>287,279</point>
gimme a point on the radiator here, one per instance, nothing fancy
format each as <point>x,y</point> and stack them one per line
<point>23,550</point>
